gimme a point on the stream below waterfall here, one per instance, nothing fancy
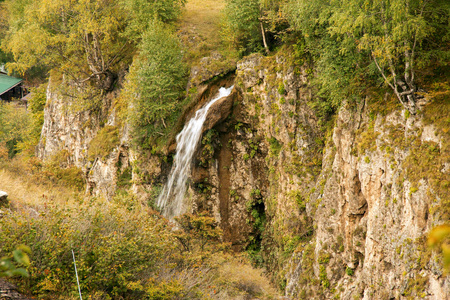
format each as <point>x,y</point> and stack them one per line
<point>171,199</point>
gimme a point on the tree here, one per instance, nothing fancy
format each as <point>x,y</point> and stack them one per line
<point>155,83</point>
<point>248,22</point>
<point>141,11</point>
<point>392,32</point>
<point>80,39</point>
<point>242,25</point>
<point>335,71</point>
<point>393,35</point>
<point>87,41</point>
<point>4,57</point>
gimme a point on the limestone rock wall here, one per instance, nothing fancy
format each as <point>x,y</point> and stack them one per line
<point>341,213</point>
<point>372,218</point>
<point>66,138</point>
<point>65,130</point>
<point>254,169</point>
<point>336,213</point>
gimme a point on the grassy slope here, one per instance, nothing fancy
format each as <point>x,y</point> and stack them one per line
<point>57,214</point>
<point>199,28</point>
<point>23,193</point>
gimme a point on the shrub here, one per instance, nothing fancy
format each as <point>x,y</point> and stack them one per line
<point>155,84</point>
<point>14,124</point>
<point>349,271</point>
<point>104,142</point>
<point>115,247</point>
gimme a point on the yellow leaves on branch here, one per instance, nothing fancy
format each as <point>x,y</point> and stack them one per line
<point>439,236</point>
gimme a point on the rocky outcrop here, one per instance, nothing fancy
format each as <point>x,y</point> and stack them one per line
<point>241,170</point>
<point>332,212</point>
<point>65,130</point>
<point>339,214</point>
<point>219,111</point>
<point>371,219</point>
<point>73,136</point>
<point>3,197</point>
<point>9,291</point>
<point>210,67</point>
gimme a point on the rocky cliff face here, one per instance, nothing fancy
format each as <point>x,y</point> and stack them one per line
<point>375,210</point>
<point>333,212</point>
<point>340,214</point>
<point>74,137</point>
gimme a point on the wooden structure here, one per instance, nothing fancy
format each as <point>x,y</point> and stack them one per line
<point>10,87</point>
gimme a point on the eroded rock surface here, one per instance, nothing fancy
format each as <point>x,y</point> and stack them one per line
<point>344,215</point>
<point>9,291</point>
<point>338,213</point>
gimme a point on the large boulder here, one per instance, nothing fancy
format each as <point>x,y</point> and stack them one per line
<point>210,67</point>
<point>219,111</point>
<point>3,198</point>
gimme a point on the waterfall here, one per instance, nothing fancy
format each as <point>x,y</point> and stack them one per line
<point>170,201</point>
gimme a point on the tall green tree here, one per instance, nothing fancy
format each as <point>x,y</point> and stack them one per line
<point>88,41</point>
<point>141,12</point>
<point>393,32</point>
<point>242,25</point>
<point>387,38</point>
<point>336,71</point>
<point>155,83</point>
<point>80,39</point>
<point>248,22</point>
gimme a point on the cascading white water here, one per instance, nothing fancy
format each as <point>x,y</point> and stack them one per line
<point>170,201</point>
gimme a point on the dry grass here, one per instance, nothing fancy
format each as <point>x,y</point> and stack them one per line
<point>23,193</point>
<point>216,276</point>
<point>223,277</point>
<point>203,17</point>
<point>199,29</point>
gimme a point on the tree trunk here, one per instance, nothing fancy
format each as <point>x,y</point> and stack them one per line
<point>264,38</point>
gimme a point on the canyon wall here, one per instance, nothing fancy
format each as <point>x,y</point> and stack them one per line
<point>335,207</point>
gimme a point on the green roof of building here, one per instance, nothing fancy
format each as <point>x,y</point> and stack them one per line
<point>7,83</point>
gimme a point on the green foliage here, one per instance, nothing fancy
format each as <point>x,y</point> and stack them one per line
<point>281,89</point>
<point>124,178</point>
<point>198,232</point>
<point>59,169</point>
<point>255,206</point>
<point>155,83</point>
<point>18,257</point>
<point>393,33</point>
<point>115,247</point>
<point>246,21</point>
<point>349,271</point>
<point>88,42</point>
<point>355,43</point>
<point>141,11</point>
<point>324,258</point>
<point>104,142</point>
<point>208,145</point>
<point>14,126</point>
<point>323,277</point>
<point>27,129</point>
<point>275,146</point>
<point>242,25</point>
<point>81,39</point>
<point>299,199</point>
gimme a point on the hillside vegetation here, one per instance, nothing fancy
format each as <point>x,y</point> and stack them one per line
<point>124,250</point>
<point>131,71</point>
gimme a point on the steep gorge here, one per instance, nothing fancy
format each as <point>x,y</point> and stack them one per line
<point>338,212</point>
